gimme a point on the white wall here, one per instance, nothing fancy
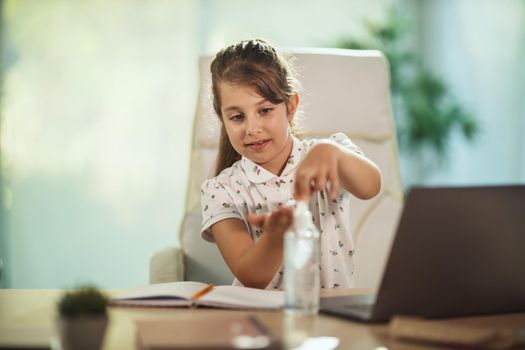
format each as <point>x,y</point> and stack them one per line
<point>291,23</point>
<point>97,125</point>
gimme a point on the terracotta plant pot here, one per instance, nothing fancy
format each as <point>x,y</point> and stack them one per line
<point>82,333</point>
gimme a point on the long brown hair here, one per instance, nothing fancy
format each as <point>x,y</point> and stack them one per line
<point>253,63</point>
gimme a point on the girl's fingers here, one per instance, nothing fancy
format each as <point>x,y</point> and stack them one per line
<point>286,216</point>
<point>257,220</point>
<point>276,222</point>
<point>320,182</point>
<point>302,186</point>
<point>333,185</point>
<point>279,221</point>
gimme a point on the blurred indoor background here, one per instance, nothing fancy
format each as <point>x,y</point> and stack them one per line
<point>98,97</point>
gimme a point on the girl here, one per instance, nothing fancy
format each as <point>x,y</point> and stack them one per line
<point>261,165</point>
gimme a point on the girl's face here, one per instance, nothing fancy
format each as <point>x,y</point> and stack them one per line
<point>258,129</point>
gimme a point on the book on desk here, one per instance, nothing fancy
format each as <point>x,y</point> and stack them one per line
<point>194,294</point>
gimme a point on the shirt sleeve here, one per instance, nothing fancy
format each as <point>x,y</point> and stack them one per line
<point>343,140</point>
<point>216,205</point>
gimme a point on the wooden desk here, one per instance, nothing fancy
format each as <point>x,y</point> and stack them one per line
<point>27,317</point>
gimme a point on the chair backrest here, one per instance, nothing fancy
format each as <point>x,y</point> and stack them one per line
<point>341,91</point>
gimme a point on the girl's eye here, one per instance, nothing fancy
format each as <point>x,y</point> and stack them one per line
<point>236,117</point>
<point>265,111</point>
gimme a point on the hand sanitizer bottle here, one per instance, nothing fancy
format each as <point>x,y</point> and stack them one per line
<point>301,264</point>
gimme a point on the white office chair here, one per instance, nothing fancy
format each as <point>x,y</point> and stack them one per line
<point>341,91</point>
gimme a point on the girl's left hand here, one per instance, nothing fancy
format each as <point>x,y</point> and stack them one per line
<point>317,170</point>
<point>274,224</point>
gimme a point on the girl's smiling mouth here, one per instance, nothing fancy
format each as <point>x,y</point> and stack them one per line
<point>258,145</point>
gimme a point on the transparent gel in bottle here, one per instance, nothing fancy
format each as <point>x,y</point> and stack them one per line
<point>301,264</point>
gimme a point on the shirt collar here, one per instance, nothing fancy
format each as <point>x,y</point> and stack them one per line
<point>257,174</point>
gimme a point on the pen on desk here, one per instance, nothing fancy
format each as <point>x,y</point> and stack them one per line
<point>202,292</point>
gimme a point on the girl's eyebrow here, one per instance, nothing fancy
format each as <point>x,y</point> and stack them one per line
<point>232,108</point>
<point>236,108</point>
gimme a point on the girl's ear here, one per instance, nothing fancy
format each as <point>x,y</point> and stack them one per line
<point>292,106</point>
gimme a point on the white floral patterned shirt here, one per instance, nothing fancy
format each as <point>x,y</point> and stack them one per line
<point>247,188</point>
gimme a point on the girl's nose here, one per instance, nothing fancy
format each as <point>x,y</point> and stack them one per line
<point>253,126</point>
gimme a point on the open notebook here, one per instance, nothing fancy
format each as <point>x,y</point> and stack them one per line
<point>192,294</point>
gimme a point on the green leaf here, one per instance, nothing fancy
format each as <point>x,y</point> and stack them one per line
<point>427,114</point>
<point>84,301</point>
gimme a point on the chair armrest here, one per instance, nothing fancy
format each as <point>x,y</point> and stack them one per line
<point>166,266</point>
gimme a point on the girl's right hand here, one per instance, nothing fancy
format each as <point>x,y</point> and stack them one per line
<point>274,224</point>
<point>318,170</point>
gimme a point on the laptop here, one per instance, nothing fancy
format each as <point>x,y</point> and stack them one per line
<point>458,251</point>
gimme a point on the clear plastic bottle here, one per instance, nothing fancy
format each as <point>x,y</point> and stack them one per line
<point>301,264</point>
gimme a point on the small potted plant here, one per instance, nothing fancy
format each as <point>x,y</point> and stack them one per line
<point>82,318</point>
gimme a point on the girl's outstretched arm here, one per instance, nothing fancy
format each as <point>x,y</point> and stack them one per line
<point>253,263</point>
<point>330,163</point>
